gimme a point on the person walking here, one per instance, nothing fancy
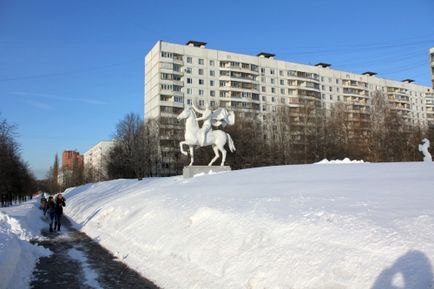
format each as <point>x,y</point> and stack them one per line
<point>60,203</point>
<point>51,211</point>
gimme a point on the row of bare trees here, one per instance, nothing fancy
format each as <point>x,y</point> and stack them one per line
<point>17,183</point>
<point>136,150</point>
<point>305,134</point>
<point>285,137</point>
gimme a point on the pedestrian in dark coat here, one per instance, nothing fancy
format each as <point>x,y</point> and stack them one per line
<point>60,203</point>
<point>51,207</point>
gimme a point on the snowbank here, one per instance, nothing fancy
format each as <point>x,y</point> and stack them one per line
<point>305,226</point>
<point>18,225</point>
<point>344,161</point>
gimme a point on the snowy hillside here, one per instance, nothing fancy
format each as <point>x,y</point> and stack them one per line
<point>18,225</point>
<point>322,226</point>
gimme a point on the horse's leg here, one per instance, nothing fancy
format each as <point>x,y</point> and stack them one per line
<point>182,149</point>
<point>216,151</point>
<point>191,155</point>
<point>222,149</point>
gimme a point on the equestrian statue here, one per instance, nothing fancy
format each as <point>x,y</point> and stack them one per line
<point>196,136</point>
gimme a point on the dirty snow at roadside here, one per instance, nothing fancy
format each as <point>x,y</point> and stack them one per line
<point>358,226</point>
<point>18,225</point>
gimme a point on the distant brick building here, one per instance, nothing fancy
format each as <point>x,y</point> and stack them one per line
<point>68,158</point>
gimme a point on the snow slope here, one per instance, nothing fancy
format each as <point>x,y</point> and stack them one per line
<point>18,225</point>
<point>350,225</point>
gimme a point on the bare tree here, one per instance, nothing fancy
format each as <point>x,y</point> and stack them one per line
<point>17,182</point>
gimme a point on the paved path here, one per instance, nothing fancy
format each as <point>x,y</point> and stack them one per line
<point>79,262</point>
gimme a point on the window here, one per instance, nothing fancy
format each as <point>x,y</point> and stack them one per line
<point>189,60</point>
<point>282,91</point>
<point>201,102</point>
<point>272,80</point>
<point>212,73</point>
<point>201,92</point>
<point>263,89</point>
<point>188,70</point>
<point>201,62</point>
<point>212,93</point>
<point>189,101</point>
<point>281,72</point>
<point>271,71</point>
<point>273,90</point>
<point>200,81</point>
<point>281,81</point>
<point>272,99</point>
<point>179,99</point>
<point>211,63</point>
<point>211,83</point>
<point>189,80</point>
<point>263,98</point>
<point>337,81</point>
<point>200,71</point>
<point>188,90</point>
<point>262,70</point>
<point>212,103</point>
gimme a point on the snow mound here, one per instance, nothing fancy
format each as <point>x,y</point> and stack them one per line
<point>358,226</point>
<point>17,256</point>
<point>344,161</point>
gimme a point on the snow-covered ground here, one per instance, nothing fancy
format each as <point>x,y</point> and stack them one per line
<point>18,225</point>
<point>349,225</point>
<point>334,226</point>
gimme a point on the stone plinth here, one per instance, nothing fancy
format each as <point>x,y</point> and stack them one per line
<point>190,171</point>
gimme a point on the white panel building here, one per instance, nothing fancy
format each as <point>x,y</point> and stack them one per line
<point>178,75</point>
<point>95,160</point>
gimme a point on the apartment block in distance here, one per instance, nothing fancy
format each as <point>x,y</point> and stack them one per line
<point>95,160</point>
<point>69,158</point>
<point>430,100</point>
<point>178,75</point>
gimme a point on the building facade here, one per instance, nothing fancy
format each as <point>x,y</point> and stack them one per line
<point>431,59</point>
<point>178,75</point>
<point>95,160</point>
<point>70,158</point>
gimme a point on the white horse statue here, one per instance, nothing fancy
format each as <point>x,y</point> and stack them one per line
<point>424,149</point>
<point>215,138</point>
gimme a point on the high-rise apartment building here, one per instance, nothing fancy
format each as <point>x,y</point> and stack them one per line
<point>95,160</point>
<point>71,158</point>
<point>431,59</point>
<point>178,75</point>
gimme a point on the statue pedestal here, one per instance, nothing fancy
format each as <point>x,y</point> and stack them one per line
<point>190,171</point>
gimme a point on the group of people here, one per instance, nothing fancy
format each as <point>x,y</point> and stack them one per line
<point>54,207</point>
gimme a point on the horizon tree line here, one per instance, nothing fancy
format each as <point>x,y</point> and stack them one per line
<point>306,134</point>
<point>17,183</point>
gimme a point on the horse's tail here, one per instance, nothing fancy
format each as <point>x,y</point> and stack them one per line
<point>230,143</point>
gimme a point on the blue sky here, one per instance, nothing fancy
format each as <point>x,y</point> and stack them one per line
<point>70,70</point>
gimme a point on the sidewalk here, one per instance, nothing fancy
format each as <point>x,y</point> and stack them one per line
<point>79,262</point>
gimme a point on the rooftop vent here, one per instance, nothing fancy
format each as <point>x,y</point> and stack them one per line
<point>408,80</point>
<point>196,43</point>
<point>323,65</point>
<point>265,55</point>
<point>369,73</point>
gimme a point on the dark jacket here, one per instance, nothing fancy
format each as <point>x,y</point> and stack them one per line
<point>51,206</point>
<point>60,203</point>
